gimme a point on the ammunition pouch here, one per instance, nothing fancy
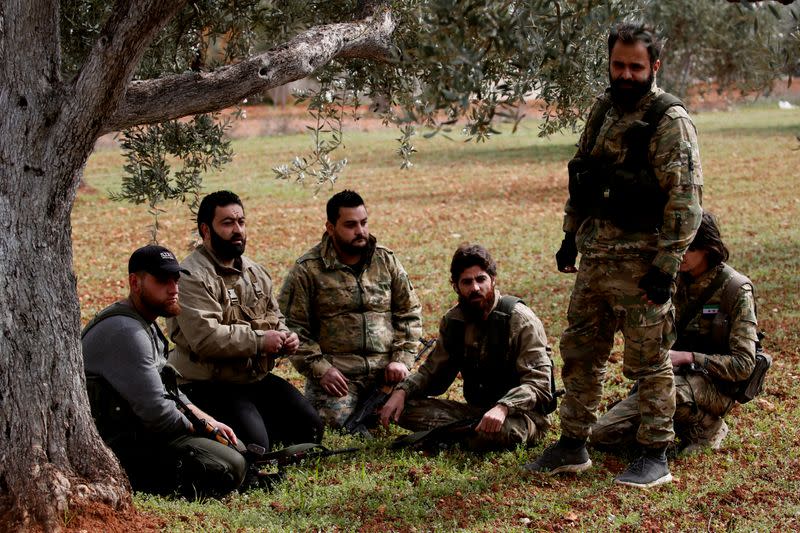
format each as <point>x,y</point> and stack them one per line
<point>112,415</point>
<point>630,199</point>
<point>754,385</point>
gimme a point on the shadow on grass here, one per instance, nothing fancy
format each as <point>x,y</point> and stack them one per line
<point>489,153</point>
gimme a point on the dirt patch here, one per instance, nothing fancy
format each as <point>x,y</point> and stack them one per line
<point>100,517</point>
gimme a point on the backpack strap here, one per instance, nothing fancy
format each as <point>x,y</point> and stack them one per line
<point>121,309</point>
<point>500,325</point>
<point>595,121</point>
<point>116,309</point>
<point>641,132</point>
<point>720,328</point>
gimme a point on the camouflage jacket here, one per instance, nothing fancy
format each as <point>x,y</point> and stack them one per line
<point>675,159</point>
<point>355,320</point>
<point>528,344</point>
<point>734,364</point>
<point>224,313</point>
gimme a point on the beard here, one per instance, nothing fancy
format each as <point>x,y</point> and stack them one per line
<point>224,248</point>
<point>475,306</point>
<point>160,308</point>
<point>628,97</point>
<point>357,246</point>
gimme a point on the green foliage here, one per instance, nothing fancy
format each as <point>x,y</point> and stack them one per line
<point>199,144</point>
<point>461,67</point>
<point>327,107</point>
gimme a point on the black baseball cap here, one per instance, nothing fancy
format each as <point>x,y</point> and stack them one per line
<point>155,260</point>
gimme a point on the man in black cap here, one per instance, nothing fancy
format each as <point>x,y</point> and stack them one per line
<point>124,352</point>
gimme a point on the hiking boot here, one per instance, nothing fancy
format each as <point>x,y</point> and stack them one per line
<point>700,437</point>
<point>560,458</point>
<point>645,472</point>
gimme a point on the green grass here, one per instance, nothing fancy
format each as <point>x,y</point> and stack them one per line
<point>507,194</point>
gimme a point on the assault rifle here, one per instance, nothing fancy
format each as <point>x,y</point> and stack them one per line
<point>439,438</point>
<point>256,455</point>
<point>356,423</point>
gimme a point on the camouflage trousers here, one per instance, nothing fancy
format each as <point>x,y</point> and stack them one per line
<point>606,299</point>
<point>518,428</point>
<point>699,405</point>
<point>334,410</point>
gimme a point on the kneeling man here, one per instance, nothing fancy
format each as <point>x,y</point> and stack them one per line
<point>124,352</point>
<point>500,348</point>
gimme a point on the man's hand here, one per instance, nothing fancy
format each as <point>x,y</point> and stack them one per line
<point>334,382</point>
<point>493,420</point>
<point>223,428</point>
<point>567,254</point>
<point>272,341</point>
<point>291,343</point>
<point>393,407</point>
<point>657,286</point>
<point>679,358</point>
<point>395,372</point>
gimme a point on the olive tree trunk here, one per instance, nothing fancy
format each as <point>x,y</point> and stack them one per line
<point>52,460</point>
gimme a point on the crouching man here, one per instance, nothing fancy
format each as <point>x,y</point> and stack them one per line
<point>715,351</point>
<point>124,352</point>
<point>500,348</point>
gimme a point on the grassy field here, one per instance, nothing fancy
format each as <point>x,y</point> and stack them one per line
<point>507,194</point>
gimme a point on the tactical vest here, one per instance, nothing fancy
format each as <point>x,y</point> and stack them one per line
<point>628,194</point>
<point>487,380</point>
<point>115,420</point>
<point>719,339</point>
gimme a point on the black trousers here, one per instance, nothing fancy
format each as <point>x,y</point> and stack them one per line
<point>189,465</point>
<point>265,412</point>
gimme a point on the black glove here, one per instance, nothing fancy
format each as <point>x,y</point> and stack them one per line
<point>657,284</point>
<point>566,255</point>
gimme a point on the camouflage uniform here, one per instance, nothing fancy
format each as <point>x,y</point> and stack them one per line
<point>528,350</point>
<point>355,318</point>
<point>606,297</point>
<point>703,394</point>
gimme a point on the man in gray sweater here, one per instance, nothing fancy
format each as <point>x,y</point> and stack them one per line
<point>124,352</point>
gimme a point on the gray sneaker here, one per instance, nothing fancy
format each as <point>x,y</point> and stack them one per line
<point>558,459</point>
<point>645,472</point>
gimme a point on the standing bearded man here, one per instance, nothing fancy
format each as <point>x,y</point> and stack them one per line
<point>635,189</point>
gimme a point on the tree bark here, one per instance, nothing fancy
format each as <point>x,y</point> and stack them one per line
<point>157,100</point>
<point>51,458</point>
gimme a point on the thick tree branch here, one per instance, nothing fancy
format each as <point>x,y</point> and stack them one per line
<point>130,29</point>
<point>191,93</point>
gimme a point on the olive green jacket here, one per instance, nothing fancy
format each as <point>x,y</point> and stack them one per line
<point>224,314</point>
<point>357,320</point>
